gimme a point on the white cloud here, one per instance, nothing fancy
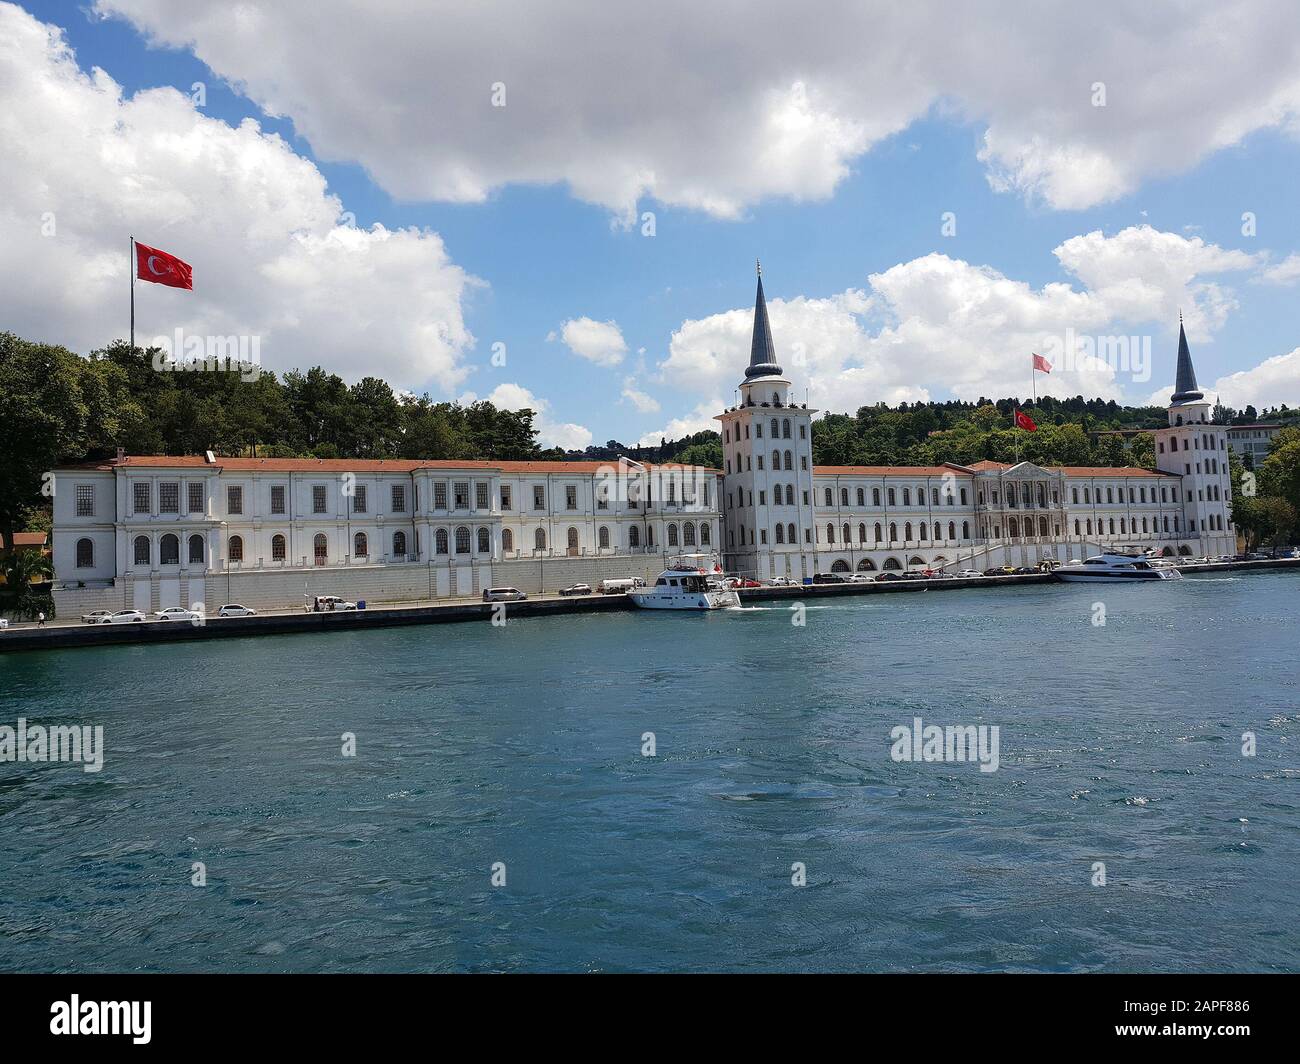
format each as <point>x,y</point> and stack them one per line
<point>698,420</point>
<point>1286,272</point>
<point>646,404</point>
<point>270,255</point>
<point>718,106</point>
<point>550,433</point>
<point>936,326</point>
<point>600,342</point>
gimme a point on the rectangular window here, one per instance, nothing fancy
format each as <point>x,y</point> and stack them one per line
<point>462,495</point>
<point>141,493</point>
<point>480,496</point>
<point>169,497</point>
<point>505,497</point>
<point>570,497</point>
<point>277,498</point>
<point>358,498</point>
<point>234,499</point>
<point>539,497</point>
<point>85,500</point>
<point>318,498</point>
<point>440,495</point>
<point>399,498</point>
<point>194,489</point>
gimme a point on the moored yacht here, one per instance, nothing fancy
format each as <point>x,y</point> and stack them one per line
<point>1116,568</point>
<point>691,582</point>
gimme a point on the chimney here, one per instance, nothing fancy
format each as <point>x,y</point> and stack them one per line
<point>121,455</point>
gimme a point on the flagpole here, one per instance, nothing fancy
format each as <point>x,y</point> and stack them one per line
<point>131,268</point>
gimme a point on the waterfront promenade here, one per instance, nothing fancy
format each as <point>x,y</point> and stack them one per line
<point>71,632</point>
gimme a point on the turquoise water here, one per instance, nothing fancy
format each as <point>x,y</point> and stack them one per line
<point>522,745</point>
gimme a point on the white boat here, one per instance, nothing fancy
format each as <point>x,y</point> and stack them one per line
<point>691,582</point>
<point>1116,569</point>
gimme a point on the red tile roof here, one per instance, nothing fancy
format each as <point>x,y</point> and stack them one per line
<point>356,465</point>
<point>887,470</point>
<point>25,539</point>
<point>1078,471</point>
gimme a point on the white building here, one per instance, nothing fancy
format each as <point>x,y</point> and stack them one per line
<point>151,532</point>
<point>1252,442</point>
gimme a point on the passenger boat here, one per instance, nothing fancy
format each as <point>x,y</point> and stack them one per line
<point>1116,569</point>
<point>691,582</point>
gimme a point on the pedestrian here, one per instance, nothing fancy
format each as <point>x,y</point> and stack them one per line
<point>40,619</point>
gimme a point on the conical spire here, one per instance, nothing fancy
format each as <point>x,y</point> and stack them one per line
<point>1185,390</point>
<point>762,355</point>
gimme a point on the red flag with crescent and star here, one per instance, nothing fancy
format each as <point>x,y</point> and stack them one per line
<point>1041,364</point>
<point>1024,421</point>
<point>162,268</point>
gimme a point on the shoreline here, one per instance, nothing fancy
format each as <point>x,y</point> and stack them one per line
<point>65,635</point>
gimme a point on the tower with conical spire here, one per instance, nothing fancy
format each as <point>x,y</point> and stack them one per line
<point>1196,449</point>
<point>767,467</point>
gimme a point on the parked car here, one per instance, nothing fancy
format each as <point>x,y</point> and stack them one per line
<point>620,585</point>
<point>830,578</point>
<point>743,582</point>
<point>234,609</point>
<point>178,613</point>
<point>97,617</point>
<point>997,570</point>
<point>4,623</point>
<point>126,617</point>
<point>914,575</point>
<point>887,576</point>
<point>503,594</point>
<point>860,578</point>
<point>782,581</point>
<point>967,573</point>
<point>329,604</point>
<point>576,589</point>
<point>1025,570</point>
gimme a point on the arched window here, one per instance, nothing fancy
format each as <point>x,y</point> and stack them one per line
<point>952,530</point>
<point>785,428</point>
<point>891,496</point>
<point>602,537</point>
<point>141,550</point>
<point>875,496</point>
<point>507,541</point>
<point>938,532</point>
<point>907,496</point>
<point>1077,529</point>
<point>839,566</point>
<point>866,565</point>
<point>892,563</point>
<point>789,460</point>
<point>776,459</point>
<point>320,548</point>
<point>571,541</point>
<point>789,534</point>
<point>789,494</point>
<point>462,540</point>
<point>169,550</point>
<point>965,530</point>
<point>277,547</point>
<point>236,549</point>
<point>672,534</point>
<point>650,536</point>
<point>196,550</point>
<point>878,536</point>
<point>399,544</point>
<point>893,532</point>
<point>633,536</point>
<point>440,541</point>
<point>360,545</point>
<point>907,532</point>
<point>920,531</point>
<point>830,533</point>
<point>780,533</point>
<point>1013,526</point>
<point>844,496</point>
<point>1042,526</point>
<point>846,534</point>
<point>704,533</point>
<point>484,541</point>
<point>862,532</point>
<point>85,554</point>
<point>774,423</point>
<point>688,534</point>
<point>862,497</point>
<point>539,539</point>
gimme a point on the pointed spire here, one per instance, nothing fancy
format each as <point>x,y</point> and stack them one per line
<point>1185,390</point>
<point>762,354</point>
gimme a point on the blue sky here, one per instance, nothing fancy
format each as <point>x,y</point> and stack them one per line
<point>547,255</point>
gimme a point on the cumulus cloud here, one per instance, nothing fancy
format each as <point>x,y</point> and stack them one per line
<point>1286,272</point>
<point>937,326</point>
<point>600,342</point>
<point>646,404</point>
<point>550,433</point>
<point>720,105</point>
<point>698,420</point>
<point>85,166</point>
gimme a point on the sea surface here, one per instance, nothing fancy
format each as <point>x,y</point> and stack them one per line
<point>521,748</point>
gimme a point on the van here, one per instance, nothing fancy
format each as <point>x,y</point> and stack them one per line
<point>329,604</point>
<point>503,594</point>
<point>620,586</point>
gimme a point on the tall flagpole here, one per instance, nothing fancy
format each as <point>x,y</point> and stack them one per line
<point>131,267</point>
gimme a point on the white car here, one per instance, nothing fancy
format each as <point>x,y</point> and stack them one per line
<point>178,613</point>
<point>125,617</point>
<point>4,623</point>
<point>503,594</point>
<point>97,617</point>
<point>861,578</point>
<point>964,573</point>
<point>234,609</point>
<point>781,581</point>
<point>329,604</point>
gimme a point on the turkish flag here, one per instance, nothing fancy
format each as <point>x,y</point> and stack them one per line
<point>1042,365</point>
<point>161,268</point>
<point>1024,421</point>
